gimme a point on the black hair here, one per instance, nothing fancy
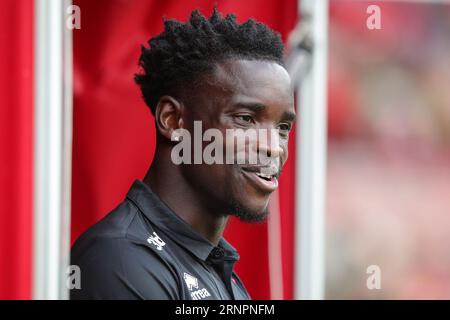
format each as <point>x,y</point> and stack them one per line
<point>184,51</point>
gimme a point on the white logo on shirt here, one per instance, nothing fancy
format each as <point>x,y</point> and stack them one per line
<point>192,283</point>
<point>200,294</point>
<point>156,241</point>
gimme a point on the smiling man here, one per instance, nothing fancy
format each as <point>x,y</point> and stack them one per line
<point>164,241</point>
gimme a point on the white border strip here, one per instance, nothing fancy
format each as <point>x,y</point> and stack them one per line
<point>311,160</point>
<point>67,154</point>
<point>52,151</point>
<point>276,277</point>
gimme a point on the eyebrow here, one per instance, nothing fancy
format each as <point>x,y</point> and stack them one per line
<point>255,107</point>
<point>289,116</point>
<point>258,107</point>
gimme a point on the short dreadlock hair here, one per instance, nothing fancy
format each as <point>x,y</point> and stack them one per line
<point>185,51</point>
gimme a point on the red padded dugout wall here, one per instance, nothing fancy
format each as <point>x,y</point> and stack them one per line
<point>16,147</point>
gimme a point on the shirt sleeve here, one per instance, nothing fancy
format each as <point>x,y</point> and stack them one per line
<point>117,268</point>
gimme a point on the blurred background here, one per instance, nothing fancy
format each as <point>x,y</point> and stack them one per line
<point>387,182</point>
<point>388,175</point>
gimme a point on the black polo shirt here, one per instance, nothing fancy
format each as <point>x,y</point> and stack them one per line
<point>143,250</point>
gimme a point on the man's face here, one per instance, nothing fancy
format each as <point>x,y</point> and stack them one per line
<point>242,94</point>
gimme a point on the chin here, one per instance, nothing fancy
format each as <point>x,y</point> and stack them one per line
<point>249,214</point>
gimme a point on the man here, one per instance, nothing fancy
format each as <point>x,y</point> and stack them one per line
<point>164,241</point>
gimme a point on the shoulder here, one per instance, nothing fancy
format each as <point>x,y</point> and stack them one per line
<point>116,261</point>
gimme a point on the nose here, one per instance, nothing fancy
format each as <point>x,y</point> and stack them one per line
<point>269,143</point>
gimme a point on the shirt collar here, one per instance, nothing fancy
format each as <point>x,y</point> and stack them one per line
<point>179,230</point>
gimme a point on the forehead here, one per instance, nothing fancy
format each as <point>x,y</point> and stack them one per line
<point>257,81</point>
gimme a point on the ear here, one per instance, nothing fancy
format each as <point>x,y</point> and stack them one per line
<point>168,116</point>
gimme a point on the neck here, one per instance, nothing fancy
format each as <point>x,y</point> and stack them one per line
<point>167,181</point>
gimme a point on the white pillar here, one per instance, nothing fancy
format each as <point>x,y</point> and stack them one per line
<point>311,159</point>
<point>52,153</point>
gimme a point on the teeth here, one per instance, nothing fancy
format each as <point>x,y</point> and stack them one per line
<point>265,176</point>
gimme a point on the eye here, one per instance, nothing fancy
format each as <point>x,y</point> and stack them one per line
<point>245,118</point>
<point>284,127</point>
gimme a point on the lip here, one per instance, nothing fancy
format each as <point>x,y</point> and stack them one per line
<point>265,186</point>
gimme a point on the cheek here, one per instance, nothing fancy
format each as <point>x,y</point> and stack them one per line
<point>285,154</point>
<point>223,175</point>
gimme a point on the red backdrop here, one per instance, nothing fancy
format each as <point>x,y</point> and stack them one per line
<point>16,146</point>
<point>113,129</point>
